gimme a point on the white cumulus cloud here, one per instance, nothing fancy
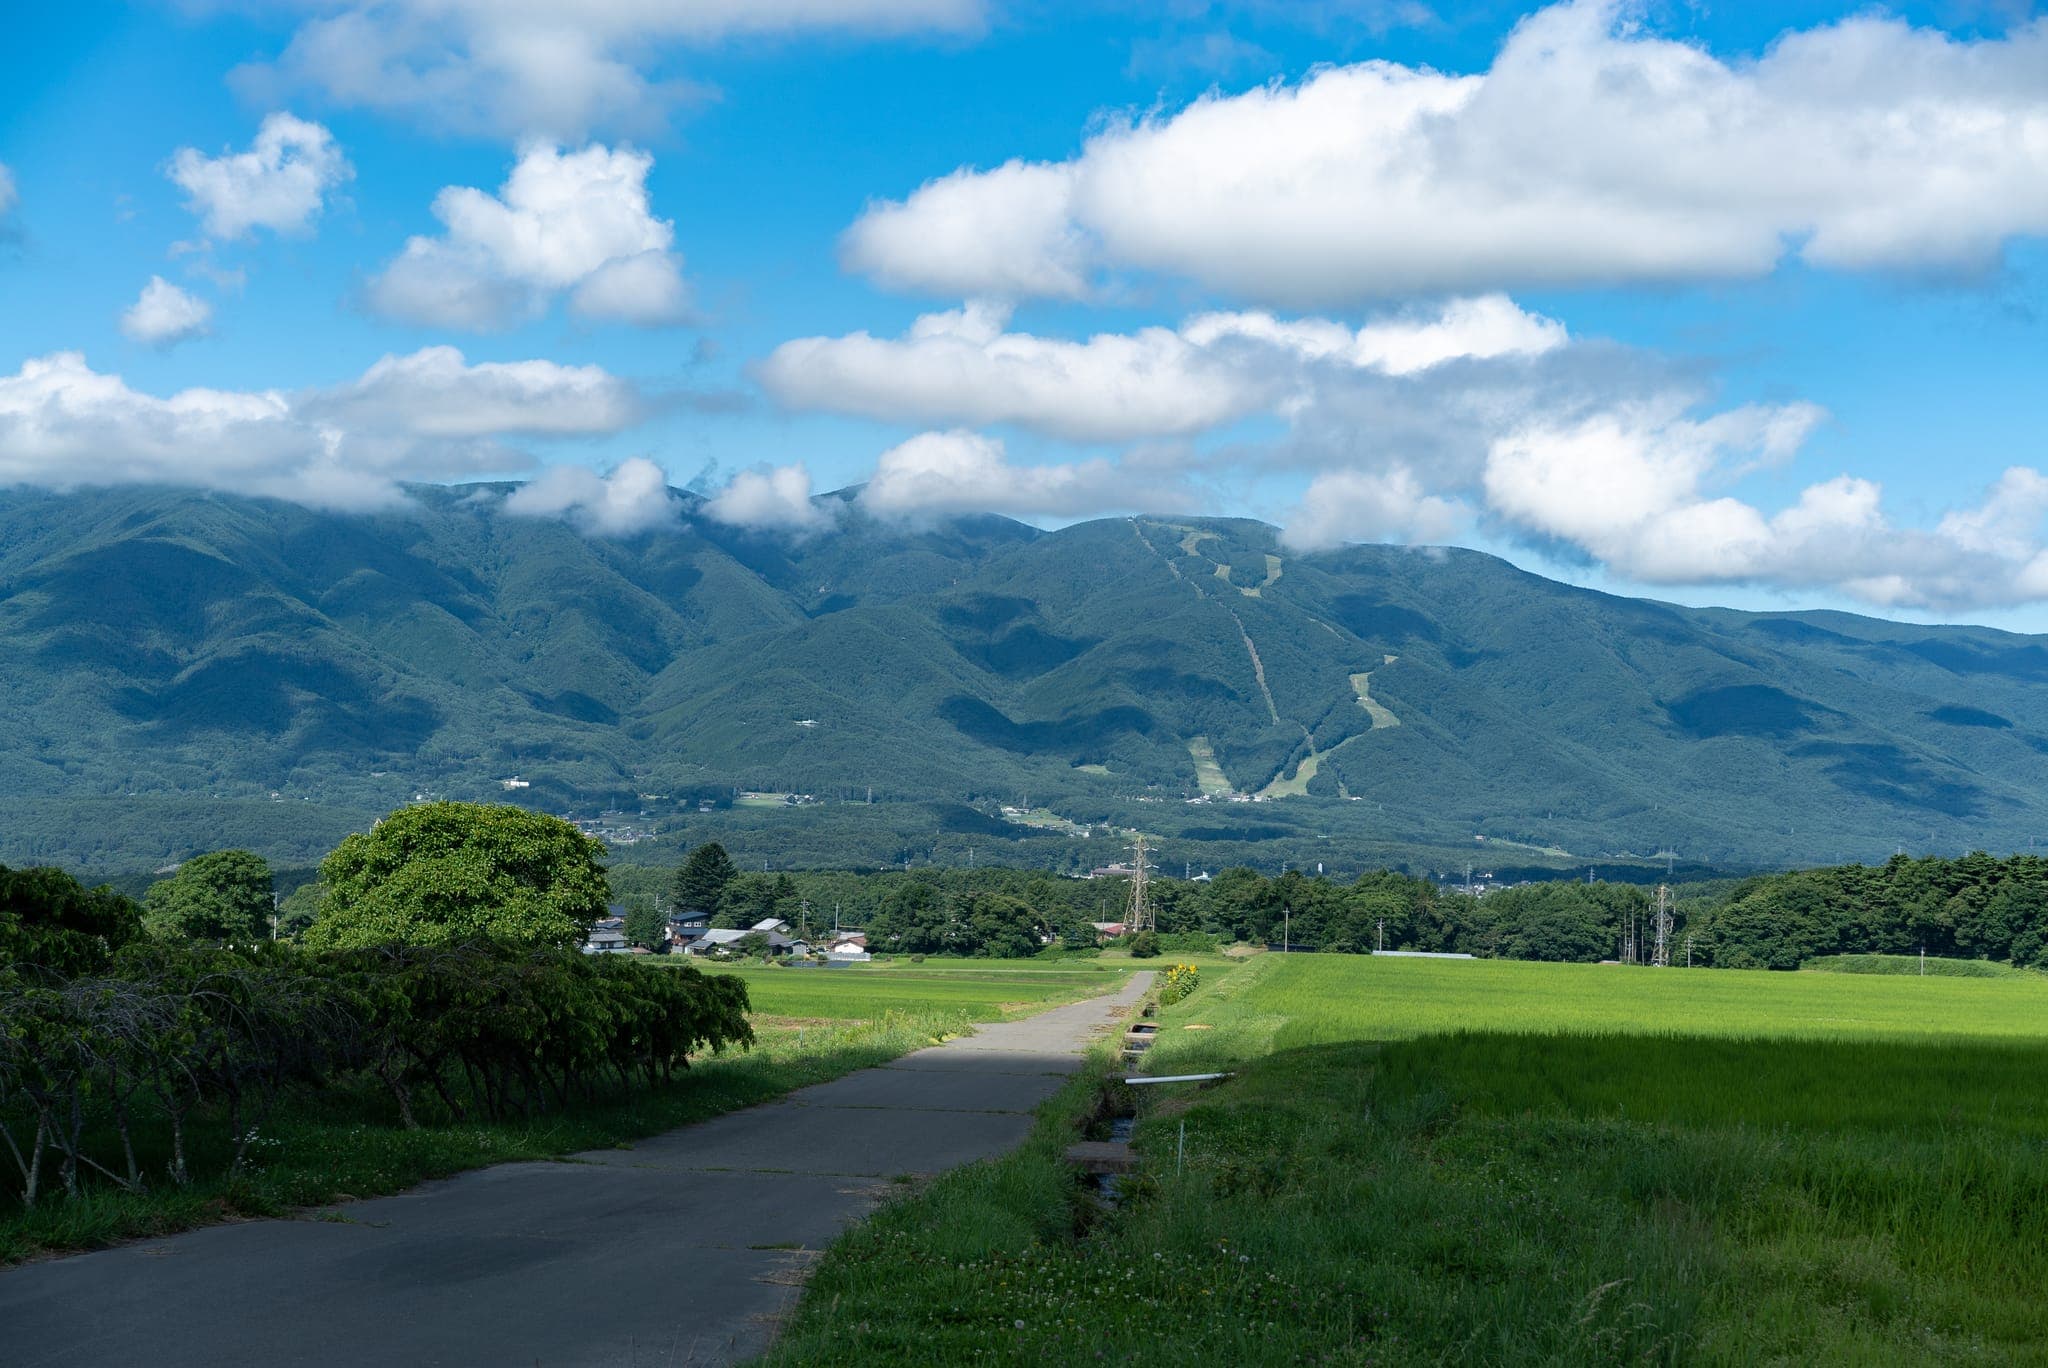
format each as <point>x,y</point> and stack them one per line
<point>64,425</point>
<point>280,183</point>
<point>538,67</point>
<point>435,392</point>
<point>961,366</point>
<point>1400,344</point>
<point>775,498</point>
<point>1009,232</point>
<point>1592,151</point>
<point>575,223</point>
<point>1371,505</point>
<point>633,498</point>
<point>1635,490</point>
<point>1413,427</point>
<point>1645,488</point>
<point>165,315</point>
<point>967,472</point>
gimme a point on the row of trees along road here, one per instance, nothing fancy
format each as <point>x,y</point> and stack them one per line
<point>441,972</point>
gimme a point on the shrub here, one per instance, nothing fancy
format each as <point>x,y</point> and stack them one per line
<point>1145,945</point>
<point>1181,980</point>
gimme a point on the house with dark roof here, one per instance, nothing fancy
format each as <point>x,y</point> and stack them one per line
<point>720,940</point>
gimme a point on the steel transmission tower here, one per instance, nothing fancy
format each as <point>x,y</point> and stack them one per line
<point>1140,918</point>
<point>1660,956</point>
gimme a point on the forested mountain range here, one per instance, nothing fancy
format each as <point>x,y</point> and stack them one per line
<point>181,670</point>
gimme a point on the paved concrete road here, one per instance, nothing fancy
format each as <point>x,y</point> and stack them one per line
<point>685,1249</point>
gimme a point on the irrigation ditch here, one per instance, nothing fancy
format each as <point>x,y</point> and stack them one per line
<point>1106,1166</point>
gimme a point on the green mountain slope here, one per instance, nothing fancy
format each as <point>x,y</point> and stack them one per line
<point>165,650</point>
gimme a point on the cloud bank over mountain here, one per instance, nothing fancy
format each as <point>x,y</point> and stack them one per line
<point>430,415</point>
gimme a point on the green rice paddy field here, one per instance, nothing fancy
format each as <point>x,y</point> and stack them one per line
<point>1490,1162</point>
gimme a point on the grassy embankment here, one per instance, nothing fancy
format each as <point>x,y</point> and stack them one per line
<point>1487,1162</point>
<point>811,1025</point>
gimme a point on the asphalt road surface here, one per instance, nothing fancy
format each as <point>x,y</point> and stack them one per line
<point>686,1249</point>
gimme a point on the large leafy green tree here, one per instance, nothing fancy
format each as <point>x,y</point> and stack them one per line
<point>223,896</point>
<point>998,926</point>
<point>913,920</point>
<point>444,872</point>
<point>700,883</point>
<point>48,919</point>
<point>300,909</point>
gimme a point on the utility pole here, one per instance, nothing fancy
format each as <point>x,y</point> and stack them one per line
<point>1286,930</point>
<point>1383,934</point>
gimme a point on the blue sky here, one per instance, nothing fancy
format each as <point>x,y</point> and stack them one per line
<point>1731,304</point>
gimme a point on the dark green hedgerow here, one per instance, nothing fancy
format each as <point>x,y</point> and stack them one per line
<point>106,1073</point>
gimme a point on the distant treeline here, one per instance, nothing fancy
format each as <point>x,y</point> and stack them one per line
<point>988,911</point>
<point>1973,907</point>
